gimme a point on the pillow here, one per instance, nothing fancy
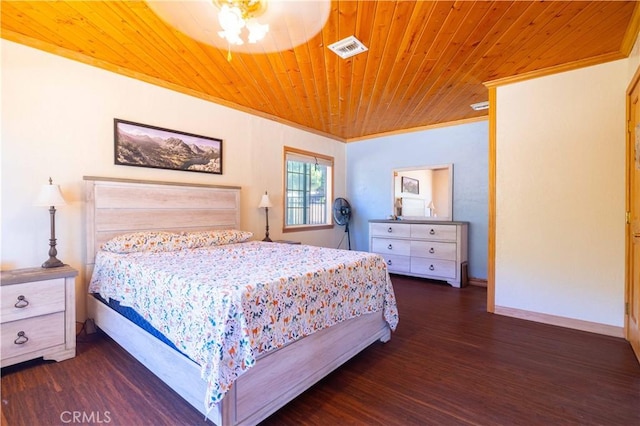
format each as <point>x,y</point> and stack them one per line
<point>154,241</point>
<point>216,237</point>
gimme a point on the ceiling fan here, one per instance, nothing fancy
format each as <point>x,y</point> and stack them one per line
<point>247,26</point>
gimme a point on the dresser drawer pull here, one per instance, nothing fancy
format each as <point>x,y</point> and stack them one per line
<point>390,230</point>
<point>389,262</point>
<point>432,250</point>
<point>432,268</point>
<point>21,339</point>
<point>432,232</point>
<point>390,247</point>
<point>22,302</point>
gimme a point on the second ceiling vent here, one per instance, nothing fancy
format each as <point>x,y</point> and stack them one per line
<point>348,47</point>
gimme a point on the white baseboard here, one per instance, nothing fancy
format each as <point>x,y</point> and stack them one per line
<point>592,327</point>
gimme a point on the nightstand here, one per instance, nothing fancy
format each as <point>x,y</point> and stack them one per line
<point>286,242</point>
<point>38,314</point>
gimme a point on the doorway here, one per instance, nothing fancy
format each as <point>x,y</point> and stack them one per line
<point>632,234</point>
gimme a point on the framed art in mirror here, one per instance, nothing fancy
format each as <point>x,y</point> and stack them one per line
<point>410,185</point>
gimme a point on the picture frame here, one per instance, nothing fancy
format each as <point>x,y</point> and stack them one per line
<point>143,145</point>
<point>410,185</point>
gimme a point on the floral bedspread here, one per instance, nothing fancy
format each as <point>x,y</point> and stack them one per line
<point>223,306</point>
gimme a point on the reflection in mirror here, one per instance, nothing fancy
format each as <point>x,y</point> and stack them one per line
<point>423,193</point>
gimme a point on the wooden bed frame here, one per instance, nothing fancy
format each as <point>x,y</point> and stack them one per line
<point>117,206</point>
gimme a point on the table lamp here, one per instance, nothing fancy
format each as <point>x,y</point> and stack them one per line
<point>51,196</point>
<point>266,203</point>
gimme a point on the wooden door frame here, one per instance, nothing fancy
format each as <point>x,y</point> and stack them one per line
<point>629,162</point>
<point>491,248</point>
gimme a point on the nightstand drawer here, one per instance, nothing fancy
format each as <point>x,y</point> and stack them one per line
<point>32,334</point>
<point>30,299</point>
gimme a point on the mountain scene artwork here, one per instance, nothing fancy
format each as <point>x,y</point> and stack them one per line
<point>148,146</point>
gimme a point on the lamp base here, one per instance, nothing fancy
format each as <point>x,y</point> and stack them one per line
<point>52,263</point>
<point>267,239</point>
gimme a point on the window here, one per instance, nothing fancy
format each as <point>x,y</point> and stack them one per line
<point>308,190</point>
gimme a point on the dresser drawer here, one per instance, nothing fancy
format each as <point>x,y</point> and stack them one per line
<point>30,299</point>
<point>390,246</point>
<point>390,230</point>
<point>400,264</point>
<point>433,250</point>
<point>433,267</point>
<point>39,333</point>
<point>434,232</point>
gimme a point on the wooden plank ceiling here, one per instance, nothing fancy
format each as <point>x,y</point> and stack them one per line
<point>426,63</point>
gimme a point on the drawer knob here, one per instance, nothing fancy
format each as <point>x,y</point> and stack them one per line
<point>432,250</point>
<point>432,232</point>
<point>390,247</point>
<point>390,230</point>
<point>21,339</point>
<point>389,262</point>
<point>22,302</point>
<point>432,268</point>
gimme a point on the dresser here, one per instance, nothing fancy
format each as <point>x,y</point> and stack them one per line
<point>427,249</point>
<point>38,314</point>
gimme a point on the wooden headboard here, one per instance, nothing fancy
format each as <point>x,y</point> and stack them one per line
<point>119,206</point>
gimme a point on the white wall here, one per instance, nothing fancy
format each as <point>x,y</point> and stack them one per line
<point>560,207</point>
<point>57,120</point>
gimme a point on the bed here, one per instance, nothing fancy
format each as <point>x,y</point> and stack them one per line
<point>268,378</point>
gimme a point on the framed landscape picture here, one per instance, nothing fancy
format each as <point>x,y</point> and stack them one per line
<point>149,146</point>
<point>410,185</point>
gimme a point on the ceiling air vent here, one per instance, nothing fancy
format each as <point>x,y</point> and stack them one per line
<point>348,47</point>
<point>480,106</point>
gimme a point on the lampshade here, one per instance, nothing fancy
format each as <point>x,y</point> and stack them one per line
<point>50,195</point>
<point>265,201</point>
<point>431,206</point>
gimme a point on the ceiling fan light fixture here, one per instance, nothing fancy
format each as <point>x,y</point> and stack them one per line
<point>231,21</point>
<point>234,15</point>
<point>269,25</point>
<point>257,31</point>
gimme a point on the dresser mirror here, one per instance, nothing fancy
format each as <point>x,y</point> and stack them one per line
<point>423,193</point>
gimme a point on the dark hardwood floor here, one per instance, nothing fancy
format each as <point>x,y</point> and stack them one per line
<point>448,363</point>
